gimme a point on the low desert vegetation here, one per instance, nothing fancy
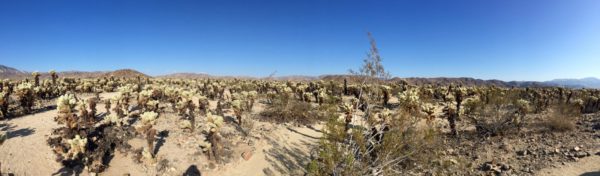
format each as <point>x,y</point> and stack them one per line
<point>371,125</point>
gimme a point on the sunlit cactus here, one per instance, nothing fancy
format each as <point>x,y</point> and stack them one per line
<point>147,120</point>
<point>348,110</point>
<point>4,103</point>
<point>409,99</point>
<point>76,147</point>
<point>214,123</point>
<point>25,96</point>
<point>54,76</point>
<point>428,109</point>
<point>238,108</point>
<point>386,90</point>
<point>36,78</point>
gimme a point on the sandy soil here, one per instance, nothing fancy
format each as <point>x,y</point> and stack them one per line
<point>276,150</point>
<point>589,166</point>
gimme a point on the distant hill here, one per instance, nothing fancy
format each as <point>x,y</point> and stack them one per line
<point>12,73</point>
<point>9,72</point>
<point>186,75</point>
<point>126,73</point>
<point>589,82</point>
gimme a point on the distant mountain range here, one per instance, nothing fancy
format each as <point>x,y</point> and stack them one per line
<point>12,73</point>
<point>590,82</point>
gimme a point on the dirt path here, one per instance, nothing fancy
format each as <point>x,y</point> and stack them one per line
<point>589,166</point>
<point>285,152</point>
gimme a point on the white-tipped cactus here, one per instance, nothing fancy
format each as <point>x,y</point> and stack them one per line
<point>76,146</point>
<point>409,99</point>
<point>66,103</point>
<point>149,118</point>
<point>523,106</point>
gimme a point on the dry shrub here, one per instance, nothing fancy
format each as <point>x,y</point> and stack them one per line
<point>288,110</point>
<point>400,148</point>
<point>562,117</point>
<point>498,114</point>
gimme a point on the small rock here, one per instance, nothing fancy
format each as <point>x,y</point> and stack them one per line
<point>450,151</point>
<point>506,147</point>
<point>247,155</point>
<point>576,149</point>
<point>581,154</point>
<point>453,161</point>
<point>522,152</point>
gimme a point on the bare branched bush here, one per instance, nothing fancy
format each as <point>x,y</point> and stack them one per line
<point>562,117</point>
<point>289,110</point>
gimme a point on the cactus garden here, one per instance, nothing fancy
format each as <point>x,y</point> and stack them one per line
<point>300,88</point>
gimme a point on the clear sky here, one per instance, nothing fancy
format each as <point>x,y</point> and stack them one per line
<point>490,39</point>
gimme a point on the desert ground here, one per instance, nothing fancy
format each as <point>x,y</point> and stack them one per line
<point>291,132</point>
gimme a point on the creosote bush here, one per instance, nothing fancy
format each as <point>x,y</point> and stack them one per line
<point>562,117</point>
<point>288,110</point>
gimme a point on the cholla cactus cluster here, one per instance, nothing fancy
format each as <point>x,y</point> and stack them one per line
<point>76,147</point>
<point>409,99</point>
<point>141,101</point>
<point>145,127</point>
<point>212,145</point>
<point>26,96</point>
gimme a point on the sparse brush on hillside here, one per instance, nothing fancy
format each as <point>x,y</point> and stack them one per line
<point>562,117</point>
<point>502,113</point>
<point>288,110</point>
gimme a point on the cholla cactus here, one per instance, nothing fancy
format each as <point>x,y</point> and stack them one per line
<point>152,105</point>
<point>149,118</point>
<point>114,119</point>
<point>203,105</point>
<point>251,97</point>
<point>471,104</point>
<point>451,114</point>
<point>25,96</point>
<point>145,127</point>
<point>238,109</point>
<point>4,102</point>
<point>409,99</point>
<point>53,76</point>
<point>386,90</point>
<point>321,96</point>
<point>348,110</point>
<point>143,99</point>
<point>36,78</point>
<point>66,108</point>
<point>428,109</point>
<point>76,147</point>
<point>523,106</point>
<point>214,123</point>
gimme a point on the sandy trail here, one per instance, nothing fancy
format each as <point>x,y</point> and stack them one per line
<point>286,151</point>
<point>589,166</point>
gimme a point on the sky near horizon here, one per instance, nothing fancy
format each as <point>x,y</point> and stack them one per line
<point>533,40</point>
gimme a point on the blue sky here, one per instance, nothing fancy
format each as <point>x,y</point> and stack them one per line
<point>491,39</point>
